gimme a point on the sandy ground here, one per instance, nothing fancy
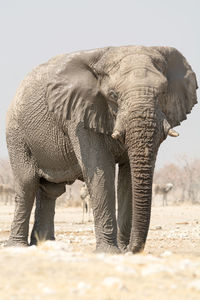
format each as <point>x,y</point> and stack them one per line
<point>168,269</point>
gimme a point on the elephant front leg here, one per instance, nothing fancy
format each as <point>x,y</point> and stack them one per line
<point>124,206</point>
<point>103,204</point>
<point>98,167</point>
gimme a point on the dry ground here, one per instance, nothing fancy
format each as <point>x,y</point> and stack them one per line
<point>168,269</point>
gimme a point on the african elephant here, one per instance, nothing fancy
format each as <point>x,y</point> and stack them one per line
<point>76,117</point>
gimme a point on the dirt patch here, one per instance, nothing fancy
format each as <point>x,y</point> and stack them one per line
<point>169,268</point>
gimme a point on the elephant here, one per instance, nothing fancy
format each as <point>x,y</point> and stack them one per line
<point>76,117</point>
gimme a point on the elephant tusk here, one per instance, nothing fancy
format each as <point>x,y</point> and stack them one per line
<point>173,133</point>
<point>116,135</point>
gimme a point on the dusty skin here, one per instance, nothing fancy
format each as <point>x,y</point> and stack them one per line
<point>169,268</point>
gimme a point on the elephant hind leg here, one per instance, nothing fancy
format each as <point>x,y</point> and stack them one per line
<point>43,228</point>
<point>26,184</point>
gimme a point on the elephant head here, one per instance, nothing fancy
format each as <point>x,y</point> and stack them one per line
<point>136,94</point>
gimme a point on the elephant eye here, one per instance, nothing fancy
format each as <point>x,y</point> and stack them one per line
<point>113,95</point>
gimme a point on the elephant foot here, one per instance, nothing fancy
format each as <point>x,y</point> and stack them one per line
<point>136,248</point>
<point>33,242</point>
<point>36,241</point>
<point>111,249</point>
<point>123,247</point>
<point>123,241</point>
<point>16,243</point>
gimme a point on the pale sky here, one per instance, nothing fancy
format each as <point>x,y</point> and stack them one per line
<point>32,31</point>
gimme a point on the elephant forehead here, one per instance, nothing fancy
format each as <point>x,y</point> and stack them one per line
<point>139,76</point>
<point>137,57</point>
<point>135,60</point>
<point>128,63</point>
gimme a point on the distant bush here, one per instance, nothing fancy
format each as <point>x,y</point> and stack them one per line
<point>185,178</point>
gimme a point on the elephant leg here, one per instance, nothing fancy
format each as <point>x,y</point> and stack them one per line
<point>101,186</point>
<point>43,228</point>
<point>20,225</point>
<point>124,197</point>
<point>98,168</point>
<point>26,185</point>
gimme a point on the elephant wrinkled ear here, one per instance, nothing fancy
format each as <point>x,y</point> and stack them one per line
<point>181,91</point>
<point>74,93</point>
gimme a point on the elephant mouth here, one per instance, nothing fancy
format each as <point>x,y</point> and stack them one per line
<point>119,131</point>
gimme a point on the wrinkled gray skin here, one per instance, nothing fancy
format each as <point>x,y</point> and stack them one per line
<point>59,129</point>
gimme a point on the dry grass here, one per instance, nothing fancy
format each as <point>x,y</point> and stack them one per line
<point>169,268</point>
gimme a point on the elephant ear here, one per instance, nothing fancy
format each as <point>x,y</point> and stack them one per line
<point>74,92</point>
<point>181,90</point>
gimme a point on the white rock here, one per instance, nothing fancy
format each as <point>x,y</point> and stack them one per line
<point>16,250</point>
<point>185,264</point>
<point>83,285</point>
<point>114,259</point>
<point>92,241</point>
<point>112,281</point>
<point>81,288</point>
<point>141,259</point>
<point>129,253</point>
<point>126,270</point>
<point>156,227</point>
<point>110,259</point>
<point>55,245</point>
<point>100,256</point>
<point>195,284</point>
<point>155,268</point>
<point>77,239</point>
<point>47,290</point>
<point>173,286</point>
<point>166,254</point>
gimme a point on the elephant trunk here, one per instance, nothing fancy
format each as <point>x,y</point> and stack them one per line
<point>140,140</point>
